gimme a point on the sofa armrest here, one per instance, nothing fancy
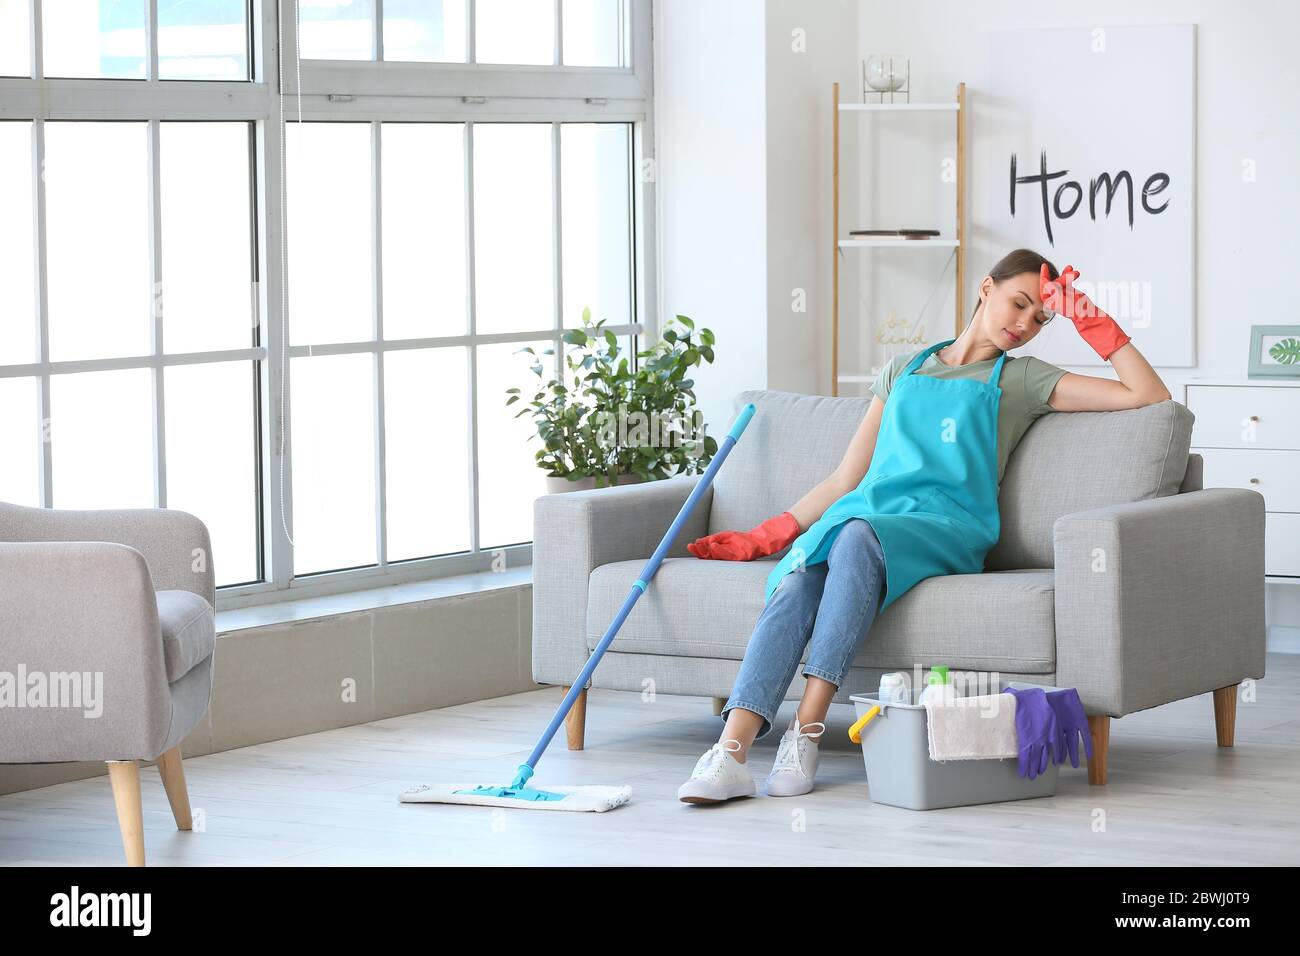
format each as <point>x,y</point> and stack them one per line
<point>175,544</point>
<point>80,619</point>
<point>576,532</point>
<point>1161,599</point>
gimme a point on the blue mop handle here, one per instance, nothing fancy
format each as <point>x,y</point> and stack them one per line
<point>638,588</point>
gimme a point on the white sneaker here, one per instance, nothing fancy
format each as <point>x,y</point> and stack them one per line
<point>796,760</point>
<point>718,776</point>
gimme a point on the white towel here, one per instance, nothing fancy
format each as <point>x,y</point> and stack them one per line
<point>972,728</point>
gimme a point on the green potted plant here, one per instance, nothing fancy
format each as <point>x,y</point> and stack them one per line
<point>616,425</point>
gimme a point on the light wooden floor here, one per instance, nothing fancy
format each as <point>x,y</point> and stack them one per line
<point>1174,797</point>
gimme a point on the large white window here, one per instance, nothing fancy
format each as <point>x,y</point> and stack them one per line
<point>456,180</point>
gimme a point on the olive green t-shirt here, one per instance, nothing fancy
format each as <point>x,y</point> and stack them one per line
<point>1026,382</point>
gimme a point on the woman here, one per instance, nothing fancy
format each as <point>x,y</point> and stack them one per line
<point>915,495</point>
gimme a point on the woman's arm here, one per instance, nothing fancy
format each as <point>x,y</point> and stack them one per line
<point>850,471</point>
<point>1138,385</point>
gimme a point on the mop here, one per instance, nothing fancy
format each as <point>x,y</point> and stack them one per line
<point>518,794</point>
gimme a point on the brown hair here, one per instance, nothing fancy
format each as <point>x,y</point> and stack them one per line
<point>1015,262</point>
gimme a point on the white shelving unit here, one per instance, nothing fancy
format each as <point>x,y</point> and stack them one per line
<point>900,243</point>
<point>956,106</point>
<point>852,107</point>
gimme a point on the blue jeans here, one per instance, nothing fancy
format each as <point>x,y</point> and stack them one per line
<point>833,601</point>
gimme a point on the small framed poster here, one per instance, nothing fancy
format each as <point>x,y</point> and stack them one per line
<point>1274,351</point>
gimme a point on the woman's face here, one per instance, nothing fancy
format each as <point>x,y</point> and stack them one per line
<point>1013,312</point>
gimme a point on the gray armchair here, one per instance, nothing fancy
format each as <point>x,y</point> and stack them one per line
<point>1115,572</point>
<point>113,612</point>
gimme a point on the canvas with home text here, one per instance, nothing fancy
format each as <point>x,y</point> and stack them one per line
<point>1089,158</point>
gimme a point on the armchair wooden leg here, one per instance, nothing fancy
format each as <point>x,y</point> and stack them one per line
<point>173,779</point>
<point>718,704</point>
<point>1225,714</point>
<point>575,724</point>
<point>1099,727</point>
<point>124,775</point>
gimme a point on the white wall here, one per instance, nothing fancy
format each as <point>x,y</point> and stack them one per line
<point>743,93</point>
<point>809,47</point>
<point>710,174</point>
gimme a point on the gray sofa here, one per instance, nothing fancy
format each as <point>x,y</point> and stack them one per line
<point>1115,573</point>
<point>129,596</point>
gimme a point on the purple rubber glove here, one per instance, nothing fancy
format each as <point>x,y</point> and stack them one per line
<point>1036,730</point>
<point>1072,721</point>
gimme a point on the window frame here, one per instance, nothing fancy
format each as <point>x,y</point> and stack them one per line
<point>356,91</point>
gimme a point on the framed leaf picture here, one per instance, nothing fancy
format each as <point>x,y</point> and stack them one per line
<point>1274,351</point>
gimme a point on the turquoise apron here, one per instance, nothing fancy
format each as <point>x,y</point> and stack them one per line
<point>931,493</point>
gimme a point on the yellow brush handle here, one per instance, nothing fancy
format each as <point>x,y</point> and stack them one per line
<point>855,732</point>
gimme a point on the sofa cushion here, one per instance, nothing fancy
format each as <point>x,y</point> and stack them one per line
<point>1075,461</point>
<point>188,631</point>
<point>999,621</point>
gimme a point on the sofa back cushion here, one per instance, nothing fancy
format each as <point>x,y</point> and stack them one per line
<point>1074,461</point>
<point>1066,462</point>
<point>792,443</point>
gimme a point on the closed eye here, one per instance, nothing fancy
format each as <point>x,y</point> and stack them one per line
<point>1021,305</point>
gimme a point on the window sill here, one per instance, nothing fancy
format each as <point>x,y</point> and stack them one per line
<point>412,592</point>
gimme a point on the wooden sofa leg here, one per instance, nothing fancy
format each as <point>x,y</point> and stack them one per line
<point>575,724</point>
<point>1225,714</point>
<point>173,779</point>
<point>124,775</point>
<point>718,704</point>
<point>1099,727</point>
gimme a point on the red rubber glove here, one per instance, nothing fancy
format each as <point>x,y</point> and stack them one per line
<point>1096,327</point>
<point>767,538</point>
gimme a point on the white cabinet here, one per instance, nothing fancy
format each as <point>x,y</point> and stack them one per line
<point>1248,432</point>
<point>1282,544</point>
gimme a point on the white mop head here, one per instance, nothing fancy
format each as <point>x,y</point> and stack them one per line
<point>598,799</point>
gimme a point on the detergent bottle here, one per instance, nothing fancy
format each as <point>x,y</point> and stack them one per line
<point>894,689</point>
<point>938,686</point>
